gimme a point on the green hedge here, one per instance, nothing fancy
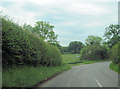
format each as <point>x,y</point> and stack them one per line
<point>115,56</point>
<point>24,48</point>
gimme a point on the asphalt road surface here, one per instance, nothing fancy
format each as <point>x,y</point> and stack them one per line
<point>90,75</point>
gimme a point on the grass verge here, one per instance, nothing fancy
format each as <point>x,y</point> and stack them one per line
<point>28,76</point>
<point>115,67</point>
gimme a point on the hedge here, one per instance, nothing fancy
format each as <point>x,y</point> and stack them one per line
<point>115,56</point>
<point>21,47</point>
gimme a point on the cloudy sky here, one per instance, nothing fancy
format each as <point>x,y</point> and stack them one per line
<point>74,20</point>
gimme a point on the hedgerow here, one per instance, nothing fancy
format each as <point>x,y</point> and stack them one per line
<point>20,47</point>
<point>115,55</point>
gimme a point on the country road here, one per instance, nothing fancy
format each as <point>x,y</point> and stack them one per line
<point>90,75</point>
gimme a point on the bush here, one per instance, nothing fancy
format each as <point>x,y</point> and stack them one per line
<point>24,48</point>
<point>53,57</point>
<point>94,52</point>
<point>115,56</point>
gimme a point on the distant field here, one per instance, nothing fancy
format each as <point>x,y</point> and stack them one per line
<point>69,58</point>
<point>72,58</point>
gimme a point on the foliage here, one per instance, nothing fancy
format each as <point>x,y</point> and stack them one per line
<point>115,56</point>
<point>64,50</point>
<point>112,34</point>
<point>44,30</point>
<point>75,47</point>
<point>115,67</point>
<point>93,40</point>
<point>28,76</point>
<point>21,47</point>
<point>53,56</point>
<point>94,49</point>
<point>94,52</point>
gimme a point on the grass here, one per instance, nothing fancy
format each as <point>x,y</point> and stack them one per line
<point>71,58</point>
<point>28,76</point>
<point>115,67</point>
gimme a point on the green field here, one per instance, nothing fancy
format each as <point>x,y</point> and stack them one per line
<point>71,58</point>
<point>28,76</point>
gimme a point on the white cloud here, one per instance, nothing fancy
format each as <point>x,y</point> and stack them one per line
<point>86,9</point>
<point>19,15</point>
<point>67,23</point>
<point>93,24</point>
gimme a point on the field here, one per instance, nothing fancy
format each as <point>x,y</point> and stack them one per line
<point>73,59</point>
<point>69,58</point>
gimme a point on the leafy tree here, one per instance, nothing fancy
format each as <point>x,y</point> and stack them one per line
<point>44,30</point>
<point>28,27</point>
<point>93,40</point>
<point>94,49</point>
<point>112,35</point>
<point>75,47</point>
<point>94,52</point>
<point>64,50</point>
<point>58,45</point>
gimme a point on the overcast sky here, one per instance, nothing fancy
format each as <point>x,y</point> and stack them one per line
<point>74,20</point>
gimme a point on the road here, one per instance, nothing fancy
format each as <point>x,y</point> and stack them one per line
<point>90,75</point>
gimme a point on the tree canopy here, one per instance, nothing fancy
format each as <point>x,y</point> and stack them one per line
<point>94,50</point>
<point>112,35</point>
<point>43,30</point>
<point>75,47</point>
<point>93,40</point>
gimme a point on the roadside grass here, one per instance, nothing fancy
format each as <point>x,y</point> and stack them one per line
<point>28,76</point>
<point>73,60</point>
<point>115,67</point>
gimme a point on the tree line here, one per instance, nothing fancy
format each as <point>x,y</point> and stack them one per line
<point>97,48</point>
<point>38,45</point>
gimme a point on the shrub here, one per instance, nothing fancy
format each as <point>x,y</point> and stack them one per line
<point>94,52</point>
<point>21,47</point>
<point>53,56</point>
<point>115,56</point>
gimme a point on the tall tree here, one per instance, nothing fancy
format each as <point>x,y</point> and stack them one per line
<point>93,40</point>
<point>75,47</point>
<point>43,30</point>
<point>112,35</point>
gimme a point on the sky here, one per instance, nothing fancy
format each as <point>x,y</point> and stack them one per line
<point>74,20</point>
